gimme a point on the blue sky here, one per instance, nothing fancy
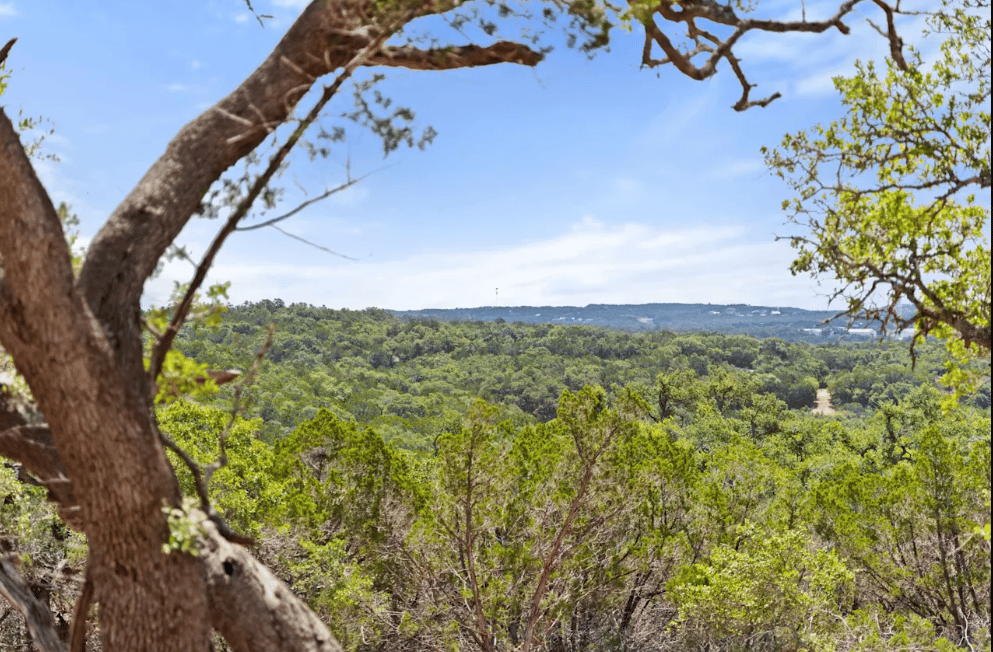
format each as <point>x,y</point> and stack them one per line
<point>572,183</point>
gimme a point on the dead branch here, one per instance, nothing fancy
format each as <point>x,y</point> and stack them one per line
<point>312,244</point>
<point>716,49</point>
<point>35,612</point>
<point>324,195</point>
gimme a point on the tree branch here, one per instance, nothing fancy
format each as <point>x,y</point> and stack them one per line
<point>33,295</point>
<point>33,447</point>
<point>35,612</point>
<point>253,609</point>
<point>717,49</point>
<point>896,43</point>
<point>5,50</point>
<point>448,58</point>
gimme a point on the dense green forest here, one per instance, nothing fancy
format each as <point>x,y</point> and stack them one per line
<point>409,379</point>
<point>506,486</point>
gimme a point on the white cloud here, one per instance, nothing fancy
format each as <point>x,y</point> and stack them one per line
<point>8,10</point>
<point>176,88</point>
<point>293,4</point>
<point>591,263</point>
<point>196,64</point>
<point>242,17</point>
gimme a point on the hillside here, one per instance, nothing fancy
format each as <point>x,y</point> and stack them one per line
<point>653,478</point>
<point>407,373</point>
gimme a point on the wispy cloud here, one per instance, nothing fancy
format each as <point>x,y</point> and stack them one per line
<point>97,129</point>
<point>822,83</point>
<point>740,168</point>
<point>671,124</point>
<point>177,88</point>
<point>590,263</point>
<point>626,186</point>
<point>8,10</point>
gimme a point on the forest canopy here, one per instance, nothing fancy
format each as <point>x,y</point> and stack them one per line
<point>656,491</point>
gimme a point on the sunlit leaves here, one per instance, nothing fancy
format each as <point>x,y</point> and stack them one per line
<point>885,192</point>
<point>245,491</point>
<point>774,587</point>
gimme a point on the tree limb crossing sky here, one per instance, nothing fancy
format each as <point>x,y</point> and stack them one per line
<point>579,181</point>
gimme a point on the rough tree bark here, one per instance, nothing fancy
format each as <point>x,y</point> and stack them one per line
<point>77,340</point>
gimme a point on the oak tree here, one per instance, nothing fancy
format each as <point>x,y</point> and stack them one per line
<point>886,194</point>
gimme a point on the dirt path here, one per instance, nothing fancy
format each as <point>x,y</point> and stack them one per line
<point>824,403</point>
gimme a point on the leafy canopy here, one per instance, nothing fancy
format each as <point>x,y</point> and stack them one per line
<point>886,192</point>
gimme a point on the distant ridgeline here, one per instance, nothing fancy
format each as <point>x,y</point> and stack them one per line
<point>791,324</point>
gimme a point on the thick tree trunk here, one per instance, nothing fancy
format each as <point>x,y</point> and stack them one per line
<point>104,433</point>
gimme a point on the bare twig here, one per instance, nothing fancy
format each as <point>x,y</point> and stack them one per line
<point>327,193</point>
<point>272,223</point>
<point>312,244</point>
<point>258,16</point>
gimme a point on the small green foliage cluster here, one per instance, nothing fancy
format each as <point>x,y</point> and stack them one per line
<point>185,528</point>
<point>181,376</point>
